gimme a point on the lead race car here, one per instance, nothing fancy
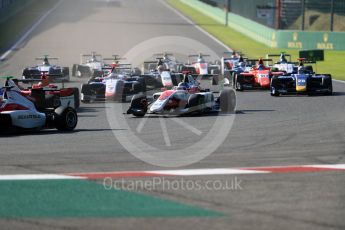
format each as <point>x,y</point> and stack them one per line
<point>91,65</point>
<point>303,81</point>
<point>185,99</point>
<point>18,112</point>
<point>56,72</point>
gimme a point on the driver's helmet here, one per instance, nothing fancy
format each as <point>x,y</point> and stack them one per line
<point>241,65</point>
<point>45,61</point>
<point>160,68</point>
<point>282,58</point>
<point>261,67</point>
<point>182,86</point>
<point>301,69</point>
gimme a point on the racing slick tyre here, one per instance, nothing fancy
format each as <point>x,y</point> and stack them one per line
<point>76,98</point>
<point>74,70</point>
<point>138,105</point>
<point>273,87</point>
<point>238,83</point>
<point>86,91</point>
<point>227,100</point>
<point>215,80</point>
<point>328,82</point>
<point>120,92</point>
<point>83,71</point>
<point>65,73</point>
<point>66,119</point>
<point>142,85</point>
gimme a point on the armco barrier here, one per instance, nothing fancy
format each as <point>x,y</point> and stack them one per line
<point>270,37</point>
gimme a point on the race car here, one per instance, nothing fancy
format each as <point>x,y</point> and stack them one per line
<point>283,64</point>
<point>258,77</point>
<point>185,99</point>
<point>67,96</point>
<point>159,73</point>
<point>91,65</point>
<point>18,112</point>
<point>122,82</point>
<point>232,59</point>
<point>304,81</point>
<point>201,67</point>
<point>57,73</point>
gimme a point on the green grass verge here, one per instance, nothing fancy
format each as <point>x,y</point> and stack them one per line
<point>16,25</point>
<point>80,198</point>
<point>237,41</point>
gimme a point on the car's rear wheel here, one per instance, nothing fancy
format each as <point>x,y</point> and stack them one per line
<point>238,83</point>
<point>138,105</point>
<point>66,120</point>
<point>227,100</point>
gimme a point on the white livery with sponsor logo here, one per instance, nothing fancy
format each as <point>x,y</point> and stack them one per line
<point>19,112</point>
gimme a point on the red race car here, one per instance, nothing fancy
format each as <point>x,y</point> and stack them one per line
<point>258,77</point>
<point>42,92</point>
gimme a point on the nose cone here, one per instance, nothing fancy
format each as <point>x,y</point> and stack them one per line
<point>265,82</point>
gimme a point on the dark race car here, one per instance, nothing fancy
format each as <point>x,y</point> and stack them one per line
<point>302,81</point>
<point>122,81</point>
<point>57,73</point>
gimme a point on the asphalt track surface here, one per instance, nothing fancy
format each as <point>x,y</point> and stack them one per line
<point>267,131</point>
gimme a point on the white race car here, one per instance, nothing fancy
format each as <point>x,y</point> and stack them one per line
<point>18,112</point>
<point>187,98</point>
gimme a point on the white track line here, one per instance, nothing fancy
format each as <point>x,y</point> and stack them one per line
<point>196,26</point>
<point>32,28</point>
<point>180,172</point>
<point>165,132</point>
<point>37,177</point>
<point>199,172</point>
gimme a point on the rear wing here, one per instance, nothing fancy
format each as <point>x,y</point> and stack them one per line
<point>254,61</point>
<point>163,54</point>
<point>43,58</point>
<point>230,53</point>
<point>93,54</point>
<point>278,55</point>
<point>115,58</point>
<point>199,55</point>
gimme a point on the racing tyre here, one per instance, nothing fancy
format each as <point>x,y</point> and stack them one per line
<point>142,85</point>
<point>139,105</point>
<point>215,80</point>
<point>85,90</point>
<point>227,100</point>
<point>237,83</point>
<point>328,81</point>
<point>66,119</point>
<point>76,98</point>
<point>65,73</point>
<point>273,87</point>
<point>74,70</point>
